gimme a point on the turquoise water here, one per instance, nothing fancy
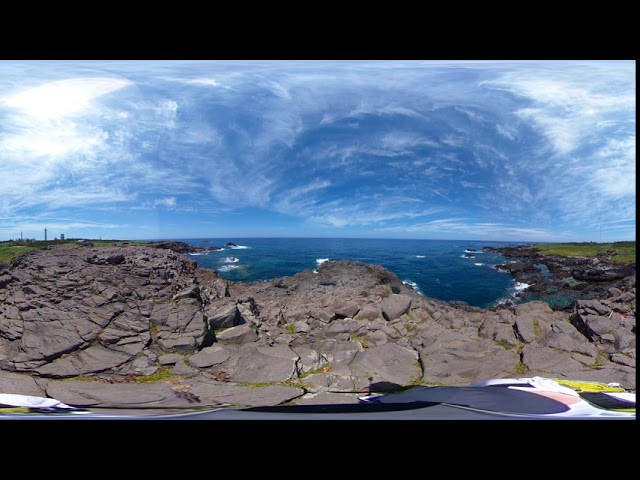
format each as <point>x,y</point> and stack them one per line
<point>441,269</point>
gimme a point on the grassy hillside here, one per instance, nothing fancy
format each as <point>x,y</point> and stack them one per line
<point>624,252</point>
<point>11,249</point>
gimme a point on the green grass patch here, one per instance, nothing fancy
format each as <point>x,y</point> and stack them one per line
<point>520,368</point>
<point>163,373</point>
<point>82,378</point>
<point>12,249</point>
<point>623,252</point>
<point>504,344</point>
<point>600,361</point>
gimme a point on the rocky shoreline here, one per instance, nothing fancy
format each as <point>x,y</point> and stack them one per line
<point>142,326</point>
<point>560,281</point>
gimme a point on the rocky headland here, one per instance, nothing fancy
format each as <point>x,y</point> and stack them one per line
<point>560,281</point>
<point>143,327</point>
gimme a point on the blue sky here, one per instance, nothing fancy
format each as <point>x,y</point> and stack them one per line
<point>479,150</point>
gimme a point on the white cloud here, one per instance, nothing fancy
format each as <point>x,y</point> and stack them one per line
<point>570,100</point>
<point>295,200</point>
<point>279,89</point>
<point>403,142</point>
<point>564,133</point>
<point>368,211</point>
<point>72,197</point>
<point>383,109</point>
<point>165,202</point>
<point>555,142</point>
<point>61,98</point>
<point>453,141</point>
<point>235,186</point>
<point>327,118</point>
<point>204,81</point>
<point>44,135</point>
<point>51,142</point>
<point>442,228</point>
<point>33,227</point>
<point>505,132</point>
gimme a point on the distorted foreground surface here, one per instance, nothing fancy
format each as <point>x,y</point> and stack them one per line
<point>133,327</point>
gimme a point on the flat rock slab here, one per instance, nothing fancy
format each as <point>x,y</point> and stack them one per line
<point>193,393</point>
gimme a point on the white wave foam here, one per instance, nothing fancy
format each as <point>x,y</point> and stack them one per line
<point>419,256</point>
<point>518,287</point>
<point>238,247</point>
<point>413,285</point>
<point>230,260</point>
<point>228,268</point>
<point>198,253</point>
<point>320,261</point>
<point>479,264</point>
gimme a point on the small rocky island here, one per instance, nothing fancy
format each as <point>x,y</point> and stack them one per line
<point>142,326</point>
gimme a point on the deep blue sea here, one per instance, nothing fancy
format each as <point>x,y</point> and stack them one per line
<point>435,268</point>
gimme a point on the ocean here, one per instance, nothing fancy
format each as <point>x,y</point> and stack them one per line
<point>448,270</point>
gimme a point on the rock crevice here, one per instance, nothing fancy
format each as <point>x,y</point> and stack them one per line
<point>115,315</point>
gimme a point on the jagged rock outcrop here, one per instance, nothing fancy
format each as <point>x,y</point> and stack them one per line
<point>87,325</point>
<point>560,281</point>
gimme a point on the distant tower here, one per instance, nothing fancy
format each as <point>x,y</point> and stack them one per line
<point>62,236</point>
<point>45,234</point>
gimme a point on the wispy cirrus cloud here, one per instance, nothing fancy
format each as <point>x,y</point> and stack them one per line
<point>370,147</point>
<point>165,202</point>
<point>204,81</point>
<point>301,198</point>
<point>470,230</point>
<point>65,145</point>
<point>370,211</point>
<point>571,102</point>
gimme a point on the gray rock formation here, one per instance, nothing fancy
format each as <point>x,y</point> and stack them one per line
<point>560,281</point>
<point>144,327</point>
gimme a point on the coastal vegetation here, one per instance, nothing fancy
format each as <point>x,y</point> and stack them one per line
<point>623,252</point>
<point>14,248</point>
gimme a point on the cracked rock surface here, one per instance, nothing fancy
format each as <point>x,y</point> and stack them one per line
<point>137,326</point>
